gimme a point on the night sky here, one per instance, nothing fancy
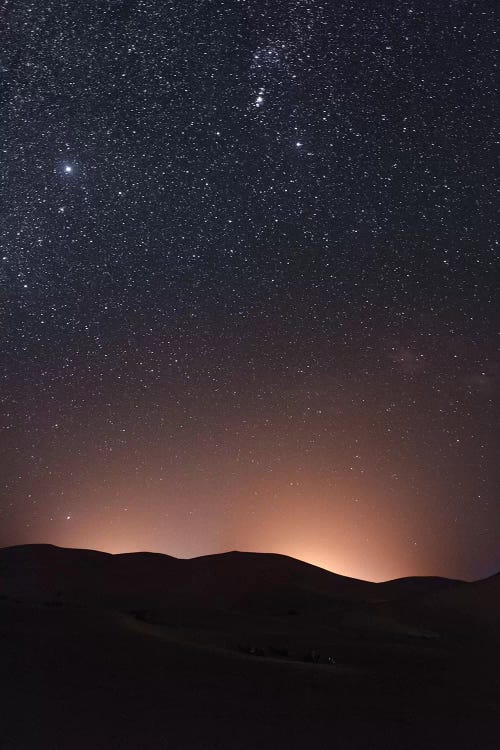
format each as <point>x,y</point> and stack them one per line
<point>249,280</point>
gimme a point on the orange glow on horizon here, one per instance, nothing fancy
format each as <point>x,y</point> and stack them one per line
<point>348,544</point>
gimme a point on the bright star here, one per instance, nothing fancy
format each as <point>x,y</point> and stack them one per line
<point>68,168</point>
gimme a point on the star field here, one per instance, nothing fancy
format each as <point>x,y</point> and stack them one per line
<point>248,280</point>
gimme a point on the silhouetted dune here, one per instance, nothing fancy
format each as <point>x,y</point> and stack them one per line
<point>414,585</point>
<point>477,602</point>
<point>248,579</point>
<point>147,579</point>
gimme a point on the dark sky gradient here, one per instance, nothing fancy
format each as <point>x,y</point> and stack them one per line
<point>249,280</point>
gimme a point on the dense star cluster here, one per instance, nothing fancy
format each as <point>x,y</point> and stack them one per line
<point>248,280</point>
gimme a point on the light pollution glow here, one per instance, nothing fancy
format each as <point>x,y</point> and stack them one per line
<point>351,538</point>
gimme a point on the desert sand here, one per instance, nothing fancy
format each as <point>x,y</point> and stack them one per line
<point>240,650</point>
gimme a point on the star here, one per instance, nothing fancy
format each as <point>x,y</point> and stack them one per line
<point>68,168</point>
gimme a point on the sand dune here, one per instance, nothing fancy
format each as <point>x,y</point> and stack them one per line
<point>44,571</point>
<point>235,651</point>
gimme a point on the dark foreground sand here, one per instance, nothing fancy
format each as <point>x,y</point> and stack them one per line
<point>77,676</point>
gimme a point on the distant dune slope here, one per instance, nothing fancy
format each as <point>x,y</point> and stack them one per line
<point>146,579</point>
<point>45,572</point>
